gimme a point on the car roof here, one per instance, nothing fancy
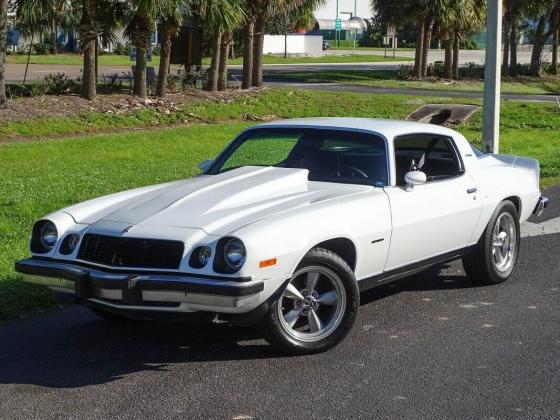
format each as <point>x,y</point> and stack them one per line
<point>385,127</point>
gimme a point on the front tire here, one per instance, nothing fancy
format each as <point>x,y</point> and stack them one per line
<point>317,308</point>
<point>494,258</point>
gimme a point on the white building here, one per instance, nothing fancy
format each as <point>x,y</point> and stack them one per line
<point>346,9</point>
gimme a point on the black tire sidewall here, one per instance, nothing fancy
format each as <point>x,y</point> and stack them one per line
<point>276,333</point>
<point>494,275</point>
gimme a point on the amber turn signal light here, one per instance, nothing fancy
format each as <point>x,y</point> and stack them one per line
<point>267,263</point>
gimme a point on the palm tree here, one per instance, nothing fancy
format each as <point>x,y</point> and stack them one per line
<point>261,12</point>
<point>141,23</point>
<point>169,25</point>
<point>88,32</point>
<point>31,19</point>
<point>222,16</point>
<point>3,46</point>
<point>469,15</point>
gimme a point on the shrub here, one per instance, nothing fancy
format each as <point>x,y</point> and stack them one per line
<point>121,48</point>
<point>114,83</point>
<point>59,84</point>
<point>42,48</point>
<point>193,77</point>
<point>406,72</point>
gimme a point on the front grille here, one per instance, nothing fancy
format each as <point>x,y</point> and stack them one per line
<point>131,252</point>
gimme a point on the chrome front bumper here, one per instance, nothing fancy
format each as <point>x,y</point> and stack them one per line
<point>541,205</point>
<point>164,292</point>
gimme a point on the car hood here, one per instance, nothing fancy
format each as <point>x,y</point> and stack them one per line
<point>217,204</point>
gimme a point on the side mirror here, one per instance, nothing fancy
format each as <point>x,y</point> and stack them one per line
<point>413,178</point>
<point>204,165</point>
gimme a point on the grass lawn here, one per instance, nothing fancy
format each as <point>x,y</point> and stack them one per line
<point>45,175</point>
<point>123,60</point>
<point>74,59</point>
<point>389,79</point>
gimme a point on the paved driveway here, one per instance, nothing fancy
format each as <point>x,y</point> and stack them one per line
<point>424,347</point>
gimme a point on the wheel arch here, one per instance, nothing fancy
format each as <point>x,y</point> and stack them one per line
<point>516,200</point>
<point>341,246</point>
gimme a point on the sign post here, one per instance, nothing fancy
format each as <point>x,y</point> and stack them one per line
<point>337,28</point>
<point>492,78</point>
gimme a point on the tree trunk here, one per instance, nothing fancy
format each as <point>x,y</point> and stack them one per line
<point>222,71</point>
<point>456,45</point>
<point>426,46</point>
<point>53,37</point>
<point>96,58</point>
<point>505,60</point>
<point>538,45</point>
<point>419,49</point>
<point>448,60</point>
<point>3,46</point>
<point>258,44</point>
<point>164,61</point>
<point>28,57</point>
<point>213,71</point>
<point>247,55</point>
<point>89,87</point>
<point>88,35</point>
<point>140,75</point>
<point>513,49</point>
<point>555,36</point>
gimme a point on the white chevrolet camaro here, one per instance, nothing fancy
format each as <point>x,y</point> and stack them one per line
<point>288,224</point>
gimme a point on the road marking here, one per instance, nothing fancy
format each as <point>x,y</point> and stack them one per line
<point>547,227</point>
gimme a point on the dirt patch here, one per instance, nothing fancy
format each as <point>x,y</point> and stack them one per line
<point>70,105</point>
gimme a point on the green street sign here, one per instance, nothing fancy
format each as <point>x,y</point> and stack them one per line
<point>338,24</point>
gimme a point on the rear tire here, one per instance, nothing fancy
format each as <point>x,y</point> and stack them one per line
<point>317,308</point>
<point>495,255</point>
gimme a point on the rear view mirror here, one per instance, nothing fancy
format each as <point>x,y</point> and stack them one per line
<point>204,165</point>
<point>413,178</point>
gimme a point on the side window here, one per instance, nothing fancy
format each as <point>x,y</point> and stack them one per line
<point>435,155</point>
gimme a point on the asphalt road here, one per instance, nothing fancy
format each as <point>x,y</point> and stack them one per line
<point>343,87</point>
<point>15,72</point>
<point>424,347</point>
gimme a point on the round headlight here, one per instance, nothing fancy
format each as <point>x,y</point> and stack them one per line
<point>69,244</point>
<point>48,235</point>
<point>234,253</point>
<point>204,254</point>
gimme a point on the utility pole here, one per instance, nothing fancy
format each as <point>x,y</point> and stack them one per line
<point>337,32</point>
<point>492,78</point>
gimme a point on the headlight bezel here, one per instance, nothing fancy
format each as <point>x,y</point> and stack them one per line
<point>196,258</point>
<point>39,245</point>
<point>223,263</point>
<point>68,247</point>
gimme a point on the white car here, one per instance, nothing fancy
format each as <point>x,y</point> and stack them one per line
<point>288,224</point>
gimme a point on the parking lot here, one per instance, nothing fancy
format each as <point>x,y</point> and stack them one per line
<point>424,347</point>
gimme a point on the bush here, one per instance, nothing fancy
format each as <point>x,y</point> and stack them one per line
<point>406,72</point>
<point>59,84</point>
<point>121,48</point>
<point>114,83</point>
<point>193,77</point>
<point>42,48</point>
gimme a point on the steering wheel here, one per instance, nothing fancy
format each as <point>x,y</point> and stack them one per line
<point>354,170</point>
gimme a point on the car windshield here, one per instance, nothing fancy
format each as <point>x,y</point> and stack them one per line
<point>329,155</point>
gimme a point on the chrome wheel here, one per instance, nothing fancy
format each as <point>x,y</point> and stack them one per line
<point>313,304</point>
<point>504,240</point>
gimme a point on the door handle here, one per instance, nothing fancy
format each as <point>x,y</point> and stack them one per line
<point>471,190</point>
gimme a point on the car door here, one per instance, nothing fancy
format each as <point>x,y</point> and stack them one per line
<point>434,218</point>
